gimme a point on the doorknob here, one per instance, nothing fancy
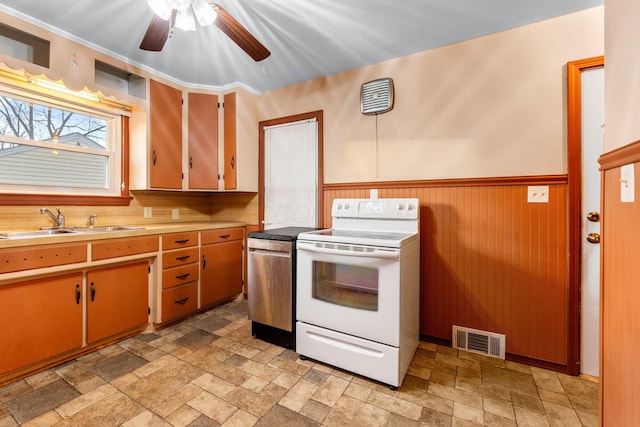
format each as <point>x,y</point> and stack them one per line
<point>593,238</point>
<point>593,216</point>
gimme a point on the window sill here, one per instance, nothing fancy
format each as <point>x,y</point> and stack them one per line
<point>8,199</point>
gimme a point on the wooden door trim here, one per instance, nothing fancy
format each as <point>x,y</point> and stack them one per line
<point>574,195</point>
<point>279,121</point>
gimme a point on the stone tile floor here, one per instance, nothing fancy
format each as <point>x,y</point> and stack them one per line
<point>209,371</point>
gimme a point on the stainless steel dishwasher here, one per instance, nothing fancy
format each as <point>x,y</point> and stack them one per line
<point>271,284</point>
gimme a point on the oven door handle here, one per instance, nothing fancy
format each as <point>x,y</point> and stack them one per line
<point>376,253</point>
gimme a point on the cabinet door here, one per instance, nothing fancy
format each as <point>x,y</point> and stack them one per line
<point>165,130</point>
<point>39,319</point>
<point>230,161</point>
<point>203,141</point>
<point>221,274</point>
<point>117,300</point>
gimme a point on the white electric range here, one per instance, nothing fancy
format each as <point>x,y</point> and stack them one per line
<point>358,288</point>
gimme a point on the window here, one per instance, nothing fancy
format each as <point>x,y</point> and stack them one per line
<point>52,146</point>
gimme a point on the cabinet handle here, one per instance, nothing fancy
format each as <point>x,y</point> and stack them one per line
<point>181,241</point>
<point>93,291</point>
<point>225,236</point>
<point>183,276</point>
<point>183,258</point>
<point>233,162</point>
<point>204,262</point>
<point>154,157</point>
<point>78,294</point>
<point>190,162</point>
<point>182,301</point>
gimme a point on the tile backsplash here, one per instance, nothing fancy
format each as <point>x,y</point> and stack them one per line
<point>164,207</point>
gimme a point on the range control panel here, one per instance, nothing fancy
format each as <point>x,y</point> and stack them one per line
<point>375,208</point>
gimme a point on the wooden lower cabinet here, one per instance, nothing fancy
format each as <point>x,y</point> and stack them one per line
<point>180,270</point>
<point>179,301</point>
<point>117,300</point>
<point>221,274</point>
<point>39,319</point>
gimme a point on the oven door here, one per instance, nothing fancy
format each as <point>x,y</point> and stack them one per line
<point>351,289</point>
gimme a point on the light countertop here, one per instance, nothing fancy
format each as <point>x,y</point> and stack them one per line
<point>146,230</point>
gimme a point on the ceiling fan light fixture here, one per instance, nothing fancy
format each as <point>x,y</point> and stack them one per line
<point>161,8</point>
<point>204,12</point>
<point>184,13</point>
<point>185,20</point>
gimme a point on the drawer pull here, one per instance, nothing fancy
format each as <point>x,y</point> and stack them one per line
<point>225,236</point>
<point>183,276</point>
<point>93,291</point>
<point>204,262</point>
<point>181,241</point>
<point>183,258</point>
<point>78,294</point>
<point>182,301</point>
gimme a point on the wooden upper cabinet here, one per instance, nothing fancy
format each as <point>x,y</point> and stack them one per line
<point>203,141</point>
<point>165,133</point>
<point>230,160</point>
<point>241,117</point>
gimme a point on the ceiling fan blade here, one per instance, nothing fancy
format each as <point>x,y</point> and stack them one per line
<point>239,34</point>
<point>157,33</point>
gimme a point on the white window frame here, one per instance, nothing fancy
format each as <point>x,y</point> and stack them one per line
<point>113,152</point>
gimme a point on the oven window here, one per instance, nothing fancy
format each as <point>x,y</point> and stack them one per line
<point>346,285</point>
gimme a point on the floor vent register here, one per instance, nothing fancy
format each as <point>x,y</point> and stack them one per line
<point>476,341</point>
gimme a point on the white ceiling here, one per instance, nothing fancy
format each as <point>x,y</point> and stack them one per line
<point>307,39</point>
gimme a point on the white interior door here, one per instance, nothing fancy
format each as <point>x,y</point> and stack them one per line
<point>592,107</point>
<point>291,175</point>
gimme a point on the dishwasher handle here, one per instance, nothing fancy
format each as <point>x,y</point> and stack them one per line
<point>267,252</point>
<point>370,253</point>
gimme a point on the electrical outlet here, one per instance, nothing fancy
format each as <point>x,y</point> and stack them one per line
<point>175,213</point>
<point>147,212</point>
<point>538,194</point>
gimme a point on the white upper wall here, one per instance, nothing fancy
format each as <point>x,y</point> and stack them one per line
<point>622,73</point>
<point>489,107</point>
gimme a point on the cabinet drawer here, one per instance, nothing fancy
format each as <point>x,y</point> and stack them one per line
<point>179,240</point>
<point>41,256</point>
<point>124,247</point>
<point>179,257</point>
<point>179,301</point>
<point>180,275</point>
<point>221,235</point>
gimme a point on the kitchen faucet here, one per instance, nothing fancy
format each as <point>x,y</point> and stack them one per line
<point>59,219</point>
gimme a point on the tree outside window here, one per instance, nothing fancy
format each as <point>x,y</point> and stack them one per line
<point>48,145</point>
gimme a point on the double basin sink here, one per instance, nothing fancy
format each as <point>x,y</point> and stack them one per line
<point>66,230</point>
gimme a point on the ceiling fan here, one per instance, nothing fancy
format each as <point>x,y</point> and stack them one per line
<point>183,14</point>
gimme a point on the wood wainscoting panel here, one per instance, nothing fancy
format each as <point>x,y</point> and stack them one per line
<point>620,294</point>
<point>491,261</point>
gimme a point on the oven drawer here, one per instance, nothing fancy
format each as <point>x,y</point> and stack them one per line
<point>371,359</point>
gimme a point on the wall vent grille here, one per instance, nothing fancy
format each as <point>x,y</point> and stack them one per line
<point>376,96</point>
<point>476,341</point>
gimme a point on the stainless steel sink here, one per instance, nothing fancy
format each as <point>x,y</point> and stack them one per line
<point>65,230</point>
<point>35,233</point>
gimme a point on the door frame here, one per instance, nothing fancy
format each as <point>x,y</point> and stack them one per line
<point>574,194</point>
<point>317,115</point>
